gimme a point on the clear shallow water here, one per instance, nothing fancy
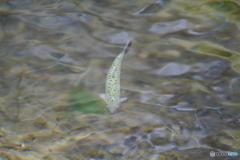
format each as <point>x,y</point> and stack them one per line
<point>181,78</point>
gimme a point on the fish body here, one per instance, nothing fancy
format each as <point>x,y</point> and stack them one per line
<point>112,89</point>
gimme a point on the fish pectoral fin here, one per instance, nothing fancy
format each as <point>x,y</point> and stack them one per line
<point>103,96</point>
<point>123,99</point>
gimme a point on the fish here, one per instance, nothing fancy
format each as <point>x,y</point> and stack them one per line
<point>112,88</point>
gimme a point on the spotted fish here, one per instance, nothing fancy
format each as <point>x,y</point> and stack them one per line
<point>112,90</point>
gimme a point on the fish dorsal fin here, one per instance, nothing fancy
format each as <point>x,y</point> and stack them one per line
<point>103,96</point>
<point>113,72</point>
<point>123,99</point>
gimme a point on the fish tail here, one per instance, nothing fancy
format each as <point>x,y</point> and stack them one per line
<point>127,47</point>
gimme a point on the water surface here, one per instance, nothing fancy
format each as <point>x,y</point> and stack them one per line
<point>181,77</point>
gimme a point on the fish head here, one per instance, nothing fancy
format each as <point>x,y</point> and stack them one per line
<point>113,106</point>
